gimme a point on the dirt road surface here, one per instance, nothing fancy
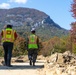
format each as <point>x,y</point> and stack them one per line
<point>22,69</point>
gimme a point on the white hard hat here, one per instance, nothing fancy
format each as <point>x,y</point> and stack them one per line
<point>33,29</point>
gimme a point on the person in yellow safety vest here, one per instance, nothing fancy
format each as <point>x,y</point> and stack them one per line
<point>8,37</point>
<point>32,47</point>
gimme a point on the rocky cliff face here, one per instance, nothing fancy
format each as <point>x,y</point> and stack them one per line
<point>21,16</point>
<point>23,19</point>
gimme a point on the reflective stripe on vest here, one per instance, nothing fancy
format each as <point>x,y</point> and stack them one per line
<point>8,35</point>
<point>32,42</point>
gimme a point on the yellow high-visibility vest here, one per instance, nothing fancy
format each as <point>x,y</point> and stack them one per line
<point>32,42</point>
<point>8,35</point>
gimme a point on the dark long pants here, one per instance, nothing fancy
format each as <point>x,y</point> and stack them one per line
<point>32,54</point>
<point>8,46</point>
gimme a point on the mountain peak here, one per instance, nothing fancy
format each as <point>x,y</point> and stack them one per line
<point>26,18</point>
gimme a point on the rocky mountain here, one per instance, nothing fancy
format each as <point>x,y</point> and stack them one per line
<point>23,19</point>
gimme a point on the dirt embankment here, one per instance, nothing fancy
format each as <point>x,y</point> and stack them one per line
<point>60,64</point>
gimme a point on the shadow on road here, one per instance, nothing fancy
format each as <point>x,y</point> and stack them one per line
<point>21,67</point>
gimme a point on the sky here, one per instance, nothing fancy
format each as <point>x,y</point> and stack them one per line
<point>58,10</point>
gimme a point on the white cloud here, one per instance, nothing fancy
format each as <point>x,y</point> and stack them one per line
<point>4,5</point>
<point>19,1</point>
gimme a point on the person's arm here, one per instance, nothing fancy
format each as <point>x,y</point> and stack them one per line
<point>15,35</point>
<point>38,42</point>
<point>1,34</point>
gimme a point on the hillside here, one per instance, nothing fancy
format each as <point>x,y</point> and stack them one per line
<point>23,19</point>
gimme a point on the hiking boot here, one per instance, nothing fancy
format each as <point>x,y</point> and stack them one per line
<point>30,62</point>
<point>33,63</point>
<point>9,65</point>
